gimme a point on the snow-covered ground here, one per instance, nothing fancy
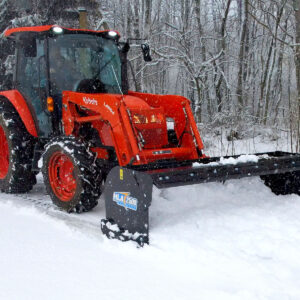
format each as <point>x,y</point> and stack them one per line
<point>213,241</point>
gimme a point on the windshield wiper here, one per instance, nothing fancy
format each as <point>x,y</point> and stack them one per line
<point>116,78</point>
<point>105,65</point>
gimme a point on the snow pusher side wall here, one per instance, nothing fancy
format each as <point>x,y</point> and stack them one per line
<point>128,195</point>
<point>128,192</point>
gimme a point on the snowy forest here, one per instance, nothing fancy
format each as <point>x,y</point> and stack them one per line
<point>238,61</point>
<point>110,194</point>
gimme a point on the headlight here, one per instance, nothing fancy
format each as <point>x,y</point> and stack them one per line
<point>57,30</point>
<point>112,34</point>
<point>139,119</point>
<point>154,118</point>
<point>157,118</point>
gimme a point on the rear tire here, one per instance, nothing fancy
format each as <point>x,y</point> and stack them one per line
<point>71,176</point>
<point>16,152</point>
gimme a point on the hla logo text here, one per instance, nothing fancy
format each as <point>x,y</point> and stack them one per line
<point>124,199</point>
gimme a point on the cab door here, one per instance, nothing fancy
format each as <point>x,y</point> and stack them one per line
<point>31,81</point>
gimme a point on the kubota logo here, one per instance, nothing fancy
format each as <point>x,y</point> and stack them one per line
<point>87,100</point>
<point>123,199</point>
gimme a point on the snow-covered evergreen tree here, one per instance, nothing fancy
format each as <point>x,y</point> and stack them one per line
<point>4,14</point>
<point>5,45</point>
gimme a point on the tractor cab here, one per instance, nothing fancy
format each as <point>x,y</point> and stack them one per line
<point>52,59</point>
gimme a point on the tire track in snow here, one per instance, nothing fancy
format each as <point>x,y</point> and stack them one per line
<point>86,223</point>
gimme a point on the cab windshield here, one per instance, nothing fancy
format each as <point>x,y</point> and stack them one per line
<point>80,61</point>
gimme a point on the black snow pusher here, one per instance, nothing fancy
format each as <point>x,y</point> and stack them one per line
<point>128,191</point>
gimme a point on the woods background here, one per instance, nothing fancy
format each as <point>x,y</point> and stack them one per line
<point>238,61</point>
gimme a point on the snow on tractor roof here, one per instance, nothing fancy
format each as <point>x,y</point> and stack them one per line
<point>12,31</point>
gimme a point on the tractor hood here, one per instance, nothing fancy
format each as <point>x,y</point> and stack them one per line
<point>110,105</point>
<point>136,103</point>
<point>109,102</point>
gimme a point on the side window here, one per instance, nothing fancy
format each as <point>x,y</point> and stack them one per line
<point>31,67</point>
<point>31,82</point>
<point>7,67</point>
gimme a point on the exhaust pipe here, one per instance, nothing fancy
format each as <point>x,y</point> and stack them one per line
<point>83,23</point>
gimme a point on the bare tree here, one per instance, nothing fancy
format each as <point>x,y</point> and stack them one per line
<point>241,58</point>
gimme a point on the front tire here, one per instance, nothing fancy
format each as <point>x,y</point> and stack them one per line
<point>71,176</point>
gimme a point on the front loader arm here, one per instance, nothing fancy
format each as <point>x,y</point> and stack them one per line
<point>106,108</point>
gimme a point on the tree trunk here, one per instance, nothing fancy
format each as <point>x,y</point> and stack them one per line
<point>240,83</point>
<point>137,34</point>
<point>205,94</point>
<point>270,75</point>
<point>198,108</point>
<point>219,90</point>
<point>297,64</point>
<point>148,12</point>
<point>263,83</point>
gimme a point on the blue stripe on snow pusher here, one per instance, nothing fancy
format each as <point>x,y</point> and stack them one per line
<point>128,191</point>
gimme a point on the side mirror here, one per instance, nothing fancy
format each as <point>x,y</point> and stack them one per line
<point>146,52</point>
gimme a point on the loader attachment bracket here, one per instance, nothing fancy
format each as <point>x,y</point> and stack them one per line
<point>127,196</point>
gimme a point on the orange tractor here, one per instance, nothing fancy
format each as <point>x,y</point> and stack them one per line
<point>70,114</point>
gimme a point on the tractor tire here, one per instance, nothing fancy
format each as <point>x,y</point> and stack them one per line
<point>16,152</point>
<point>283,184</point>
<point>71,176</point>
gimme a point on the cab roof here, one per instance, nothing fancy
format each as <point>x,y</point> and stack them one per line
<point>13,31</point>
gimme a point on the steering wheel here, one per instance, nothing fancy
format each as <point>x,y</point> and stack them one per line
<point>76,85</point>
<point>90,85</point>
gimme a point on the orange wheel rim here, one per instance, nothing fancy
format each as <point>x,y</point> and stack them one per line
<point>4,154</point>
<point>61,176</point>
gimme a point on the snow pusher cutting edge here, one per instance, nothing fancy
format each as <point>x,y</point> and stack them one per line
<point>128,191</point>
